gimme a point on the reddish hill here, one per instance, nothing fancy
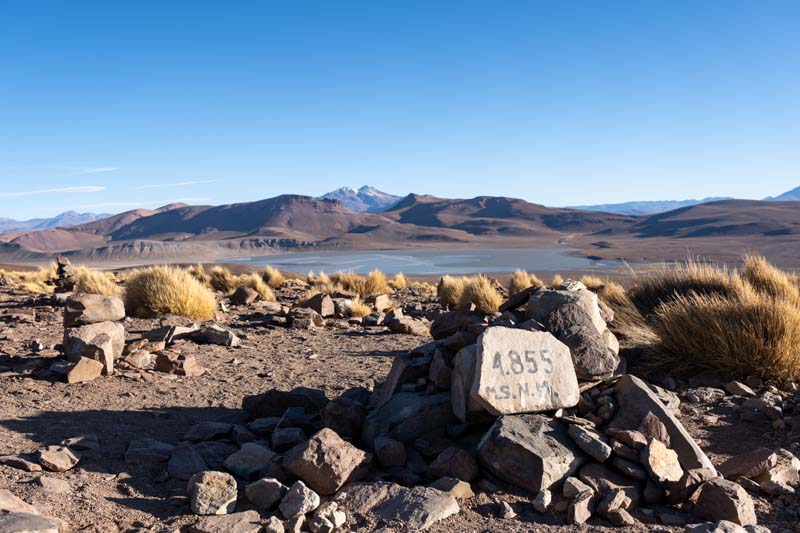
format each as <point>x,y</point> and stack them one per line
<point>292,221</point>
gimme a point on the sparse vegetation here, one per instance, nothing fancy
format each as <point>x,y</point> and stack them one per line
<point>221,280</point>
<point>480,292</point>
<point>521,280</point>
<point>593,283</point>
<point>359,308</point>
<point>157,291</point>
<point>376,283</point>
<point>426,290</point>
<point>96,282</point>
<point>199,273</point>
<point>701,317</point>
<point>33,281</point>
<point>398,281</point>
<point>557,280</point>
<point>686,278</point>
<point>450,289</point>
<point>255,282</point>
<point>273,277</point>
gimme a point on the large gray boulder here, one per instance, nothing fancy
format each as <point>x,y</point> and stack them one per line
<point>408,416</point>
<point>544,303</point>
<point>518,371</point>
<point>83,309</point>
<point>575,318</point>
<point>531,451</point>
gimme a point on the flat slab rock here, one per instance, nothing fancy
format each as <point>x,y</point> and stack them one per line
<point>520,371</point>
<point>28,523</point>
<point>245,522</point>
<point>636,400</point>
<point>417,508</point>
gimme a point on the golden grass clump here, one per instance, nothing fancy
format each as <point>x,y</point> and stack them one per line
<point>359,308</point>
<point>163,290</point>
<point>744,334</point>
<point>668,282</point>
<point>521,280</point>
<point>199,273</point>
<point>255,282</point>
<point>480,292</point>
<point>769,280</point>
<point>33,281</point>
<point>557,280</point>
<point>450,289</point>
<point>702,317</point>
<point>350,281</point>
<point>273,277</point>
<point>221,279</point>
<point>398,281</point>
<point>376,283</point>
<point>593,283</point>
<point>96,282</point>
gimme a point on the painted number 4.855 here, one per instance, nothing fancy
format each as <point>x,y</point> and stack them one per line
<point>529,361</point>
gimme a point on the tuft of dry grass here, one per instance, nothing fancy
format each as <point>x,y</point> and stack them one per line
<point>399,281</point>
<point>690,277</point>
<point>96,282</point>
<point>557,280</point>
<point>349,281</point>
<point>749,333</point>
<point>702,317</point>
<point>480,292</point>
<point>593,283</point>
<point>162,290</point>
<point>359,308</point>
<point>221,279</point>
<point>33,281</point>
<point>255,282</point>
<point>450,289</point>
<point>199,273</point>
<point>769,280</point>
<point>273,277</point>
<point>521,280</point>
<point>376,283</point>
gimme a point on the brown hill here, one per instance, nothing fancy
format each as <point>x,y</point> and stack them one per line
<point>291,221</point>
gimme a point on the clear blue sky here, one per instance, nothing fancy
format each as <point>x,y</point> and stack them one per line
<point>109,105</point>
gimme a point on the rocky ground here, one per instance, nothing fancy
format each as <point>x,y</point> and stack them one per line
<point>120,484</point>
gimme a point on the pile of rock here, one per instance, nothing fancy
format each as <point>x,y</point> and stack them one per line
<point>65,277</point>
<point>492,404</point>
<point>335,310</point>
<point>94,336</point>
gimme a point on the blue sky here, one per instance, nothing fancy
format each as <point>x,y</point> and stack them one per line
<point>109,105</point>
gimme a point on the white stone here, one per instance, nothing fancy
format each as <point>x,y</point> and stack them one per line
<point>521,371</point>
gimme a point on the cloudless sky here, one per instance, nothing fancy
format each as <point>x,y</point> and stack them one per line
<point>105,106</point>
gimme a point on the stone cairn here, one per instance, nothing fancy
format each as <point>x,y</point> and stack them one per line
<point>533,400</point>
<point>94,336</point>
<point>65,280</point>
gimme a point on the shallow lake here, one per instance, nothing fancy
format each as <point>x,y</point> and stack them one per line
<point>427,261</point>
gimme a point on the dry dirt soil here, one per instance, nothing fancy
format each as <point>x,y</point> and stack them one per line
<point>38,409</point>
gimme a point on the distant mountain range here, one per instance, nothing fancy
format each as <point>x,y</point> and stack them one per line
<point>179,232</point>
<point>64,220</point>
<point>792,195</point>
<point>646,207</point>
<point>364,200</point>
<point>370,219</point>
<point>662,206</point>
